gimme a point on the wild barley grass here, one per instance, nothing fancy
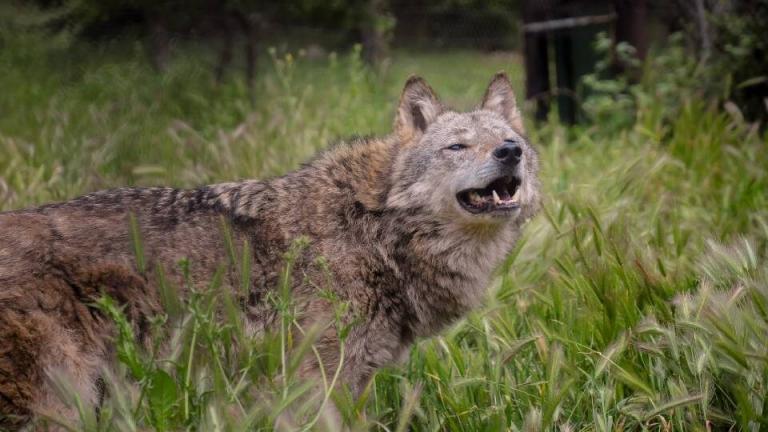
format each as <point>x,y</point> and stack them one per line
<point>638,300</point>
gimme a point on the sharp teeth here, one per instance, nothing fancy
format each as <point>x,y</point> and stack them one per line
<point>516,195</point>
<point>474,197</point>
<point>496,199</point>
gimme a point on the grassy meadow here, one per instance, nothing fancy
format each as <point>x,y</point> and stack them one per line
<point>637,300</point>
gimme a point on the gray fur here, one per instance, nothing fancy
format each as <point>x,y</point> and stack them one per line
<point>382,212</point>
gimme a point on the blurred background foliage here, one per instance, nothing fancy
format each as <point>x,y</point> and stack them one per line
<point>723,41</point>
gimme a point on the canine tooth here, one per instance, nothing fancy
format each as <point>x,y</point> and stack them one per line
<point>496,199</point>
<point>474,196</point>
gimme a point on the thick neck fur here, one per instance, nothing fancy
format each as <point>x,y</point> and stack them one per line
<point>438,268</point>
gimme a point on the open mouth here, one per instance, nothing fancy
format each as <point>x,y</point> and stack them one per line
<point>499,197</point>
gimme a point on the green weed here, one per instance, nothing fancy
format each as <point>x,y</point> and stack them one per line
<point>637,300</point>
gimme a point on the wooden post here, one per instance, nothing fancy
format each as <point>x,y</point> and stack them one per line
<point>536,59</point>
<point>632,24</point>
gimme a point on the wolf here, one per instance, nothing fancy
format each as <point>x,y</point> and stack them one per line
<point>411,226</point>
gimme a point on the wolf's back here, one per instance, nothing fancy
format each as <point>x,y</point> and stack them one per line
<point>56,260</point>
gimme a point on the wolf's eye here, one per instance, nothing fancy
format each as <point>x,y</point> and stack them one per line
<point>456,147</point>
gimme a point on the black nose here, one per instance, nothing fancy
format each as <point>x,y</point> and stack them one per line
<point>508,153</point>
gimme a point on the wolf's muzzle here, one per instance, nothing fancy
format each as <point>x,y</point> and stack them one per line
<point>509,153</point>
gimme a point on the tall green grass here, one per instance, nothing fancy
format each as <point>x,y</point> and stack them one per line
<point>637,300</point>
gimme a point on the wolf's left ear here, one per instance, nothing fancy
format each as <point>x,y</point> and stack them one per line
<point>500,98</point>
<point>419,107</point>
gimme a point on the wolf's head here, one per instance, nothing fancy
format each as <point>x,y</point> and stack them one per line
<point>469,168</point>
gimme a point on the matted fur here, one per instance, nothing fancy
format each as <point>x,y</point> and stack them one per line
<point>381,211</point>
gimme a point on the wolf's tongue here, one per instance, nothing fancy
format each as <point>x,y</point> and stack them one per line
<point>505,194</point>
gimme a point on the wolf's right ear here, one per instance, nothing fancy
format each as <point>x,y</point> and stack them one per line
<point>500,98</point>
<point>419,107</point>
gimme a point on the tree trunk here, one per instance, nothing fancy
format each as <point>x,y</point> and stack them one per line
<point>250,28</point>
<point>225,54</point>
<point>159,42</point>
<point>375,32</point>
